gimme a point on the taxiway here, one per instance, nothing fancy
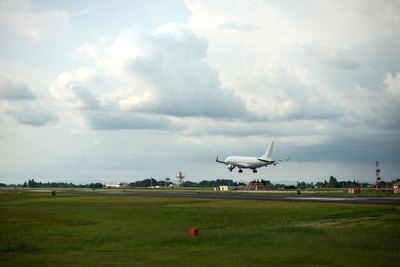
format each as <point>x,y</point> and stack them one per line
<point>237,195</point>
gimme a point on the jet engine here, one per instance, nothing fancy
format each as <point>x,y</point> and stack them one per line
<point>230,167</point>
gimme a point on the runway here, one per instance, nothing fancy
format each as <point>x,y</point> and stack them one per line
<point>237,195</point>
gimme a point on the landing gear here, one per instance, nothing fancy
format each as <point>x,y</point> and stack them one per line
<point>240,171</point>
<point>254,171</point>
<point>230,167</point>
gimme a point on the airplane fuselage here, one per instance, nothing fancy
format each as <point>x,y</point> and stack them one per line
<point>245,162</point>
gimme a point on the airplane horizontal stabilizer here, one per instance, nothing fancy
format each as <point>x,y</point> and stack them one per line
<point>219,160</point>
<point>282,160</point>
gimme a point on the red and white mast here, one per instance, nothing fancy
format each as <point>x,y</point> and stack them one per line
<point>378,178</point>
<point>180,177</point>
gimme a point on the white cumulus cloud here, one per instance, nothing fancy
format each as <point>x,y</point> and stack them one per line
<point>392,86</point>
<point>18,17</point>
<point>161,74</point>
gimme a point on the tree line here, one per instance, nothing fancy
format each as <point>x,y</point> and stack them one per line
<point>334,183</point>
<point>151,182</point>
<point>31,183</point>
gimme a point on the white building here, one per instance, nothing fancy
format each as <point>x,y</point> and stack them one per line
<point>226,188</point>
<point>119,185</point>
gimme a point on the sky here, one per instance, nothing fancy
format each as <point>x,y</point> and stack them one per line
<point>120,91</point>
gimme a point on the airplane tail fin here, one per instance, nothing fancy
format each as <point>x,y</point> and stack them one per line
<point>268,153</point>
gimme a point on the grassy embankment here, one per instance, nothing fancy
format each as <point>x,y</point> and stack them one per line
<point>38,229</point>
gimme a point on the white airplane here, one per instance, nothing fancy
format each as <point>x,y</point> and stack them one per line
<point>251,162</point>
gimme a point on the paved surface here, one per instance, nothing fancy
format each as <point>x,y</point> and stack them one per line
<point>237,195</point>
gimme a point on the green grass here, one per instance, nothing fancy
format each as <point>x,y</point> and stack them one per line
<point>37,229</point>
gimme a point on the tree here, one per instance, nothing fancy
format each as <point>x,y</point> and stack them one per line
<point>32,183</point>
<point>301,185</point>
<point>333,183</point>
<point>189,184</point>
<point>96,185</point>
<point>290,187</point>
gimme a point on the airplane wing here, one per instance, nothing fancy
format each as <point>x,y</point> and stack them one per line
<point>241,165</point>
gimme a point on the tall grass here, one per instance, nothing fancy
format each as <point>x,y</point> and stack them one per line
<point>85,230</point>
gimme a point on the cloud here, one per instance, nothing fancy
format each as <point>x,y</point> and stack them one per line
<point>162,74</point>
<point>183,84</point>
<point>32,114</point>
<point>392,86</point>
<point>292,68</point>
<point>23,104</point>
<point>75,89</point>
<point>13,89</point>
<point>264,67</point>
<point>376,108</point>
<point>18,17</point>
<point>87,11</point>
<point>239,27</point>
<point>357,22</point>
<point>117,120</point>
<point>335,56</point>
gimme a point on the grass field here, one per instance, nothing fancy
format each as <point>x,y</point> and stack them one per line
<point>38,229</point>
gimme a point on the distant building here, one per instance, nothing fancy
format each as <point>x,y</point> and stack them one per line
<point>396,188</point>
<point>123,185</point>
<point>266,186</point>
<point>119,185</point>
<point>225,188</point>
<point>354,190</point>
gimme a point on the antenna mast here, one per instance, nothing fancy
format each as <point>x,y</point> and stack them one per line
<point>180,177</point>
<point>378,178</point>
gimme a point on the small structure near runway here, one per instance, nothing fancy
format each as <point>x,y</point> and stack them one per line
<point>225,188</point>
<point>265,186</point>
<point>354,190</point>
<point>119,185</point>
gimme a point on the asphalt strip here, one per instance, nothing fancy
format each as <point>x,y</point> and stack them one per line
<point>323,198</point>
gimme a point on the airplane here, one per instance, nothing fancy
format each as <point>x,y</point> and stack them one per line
<point>251,162</point>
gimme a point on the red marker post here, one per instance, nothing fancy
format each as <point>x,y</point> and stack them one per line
<point>194,232</point>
